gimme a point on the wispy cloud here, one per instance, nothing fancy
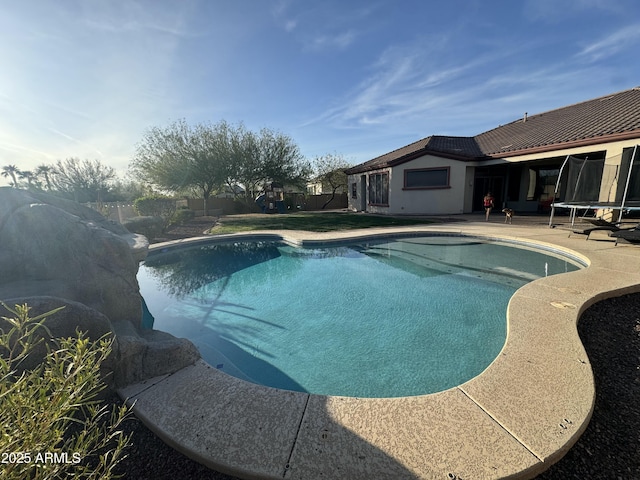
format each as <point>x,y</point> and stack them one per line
<point>406,82</point>
<point>290,25</point>
<point>282,15</point>
<point>10,149</point>
<point>134,16</point>
<point>620,40</point>
<point>555,11</point>
<point>86,146</point>
<point>319,26</point>
<point>339,41</point>
<point>87,82</point>
<point>86,79</point>
<point>421,88</point>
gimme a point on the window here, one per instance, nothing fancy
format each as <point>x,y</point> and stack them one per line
<point>542,183</point>
<point>379,189</point>
<point>515,174</point>
<point>354,190</point>
<point>426,178</point>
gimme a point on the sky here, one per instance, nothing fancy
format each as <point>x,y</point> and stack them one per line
<point>88,78</point>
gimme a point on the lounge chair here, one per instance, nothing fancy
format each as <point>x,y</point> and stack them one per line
<point>631,235</point>
<point>595,224</point>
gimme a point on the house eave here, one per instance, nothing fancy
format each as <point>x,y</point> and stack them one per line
<point>583,142</point>
<point>412,156</point>
<point>434,153</point>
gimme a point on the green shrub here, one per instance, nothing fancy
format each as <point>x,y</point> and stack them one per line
<point>182,215</point>
<point>53,425</point>
<point>243,206</point>
<point>150,227</point>
<point>156,206</point>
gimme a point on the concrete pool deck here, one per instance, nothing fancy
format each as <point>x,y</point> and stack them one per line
<point>514,420</point>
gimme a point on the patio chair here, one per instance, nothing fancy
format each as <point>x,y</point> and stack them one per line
<point>631,235</point>
<point>594,225</point>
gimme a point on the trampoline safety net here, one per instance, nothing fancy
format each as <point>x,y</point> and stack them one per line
<point>584,177</point>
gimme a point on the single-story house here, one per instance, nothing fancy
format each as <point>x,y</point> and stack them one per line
<point>520,163</point>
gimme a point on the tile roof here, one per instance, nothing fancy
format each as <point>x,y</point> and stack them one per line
<point>383,160</point>
<point>460,148</point>
<point>593,121</point>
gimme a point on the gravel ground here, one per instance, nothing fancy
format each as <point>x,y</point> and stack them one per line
<point>609,448</point>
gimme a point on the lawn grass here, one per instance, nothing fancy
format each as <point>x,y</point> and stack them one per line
<point>309,221</point>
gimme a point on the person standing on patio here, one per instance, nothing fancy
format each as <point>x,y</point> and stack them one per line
<point>488,204</point>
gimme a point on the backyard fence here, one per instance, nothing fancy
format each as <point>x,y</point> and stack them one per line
<point>293,201</point>
<point>121,211</point>
<point>116,211</point>
<point>315,202</point>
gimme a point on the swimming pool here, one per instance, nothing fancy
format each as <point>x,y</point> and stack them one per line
<point>383,318</point>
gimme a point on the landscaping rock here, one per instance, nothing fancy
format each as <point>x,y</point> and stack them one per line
<point>144,354</point>
<point>54,247</point>
<point>59,253</point>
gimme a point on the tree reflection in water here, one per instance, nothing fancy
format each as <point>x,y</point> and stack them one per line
<point>182,271</point>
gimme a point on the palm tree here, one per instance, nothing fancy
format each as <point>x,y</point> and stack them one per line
<point>45,172</point>
<point>11,171</point>
<point>28,176</point>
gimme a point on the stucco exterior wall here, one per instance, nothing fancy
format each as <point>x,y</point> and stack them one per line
<point>434,201</point>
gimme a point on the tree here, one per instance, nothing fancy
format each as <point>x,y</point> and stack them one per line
<point>30,177</point>
<point>329,171</point>
<point>44,172</point>
<point>207,157</point>
<point>257,159</point>
<point>84,181</point>
<point>180,157</point>
<point>127,190</point>
<point>281,159</point>
<point>11,171</point>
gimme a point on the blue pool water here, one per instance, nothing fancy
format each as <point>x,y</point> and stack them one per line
<point>371,319</point>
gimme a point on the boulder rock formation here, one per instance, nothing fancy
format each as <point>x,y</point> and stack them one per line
<point>73,256</point>
<point>60,248</point>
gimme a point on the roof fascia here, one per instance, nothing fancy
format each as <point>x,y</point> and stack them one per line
<point>412,156</point>
<point>422,153</point>
<point>614,137</point>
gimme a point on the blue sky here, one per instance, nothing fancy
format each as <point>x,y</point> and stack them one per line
<point>86,78</point>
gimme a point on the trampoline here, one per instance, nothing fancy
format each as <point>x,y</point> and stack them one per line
<point>585,185</point>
